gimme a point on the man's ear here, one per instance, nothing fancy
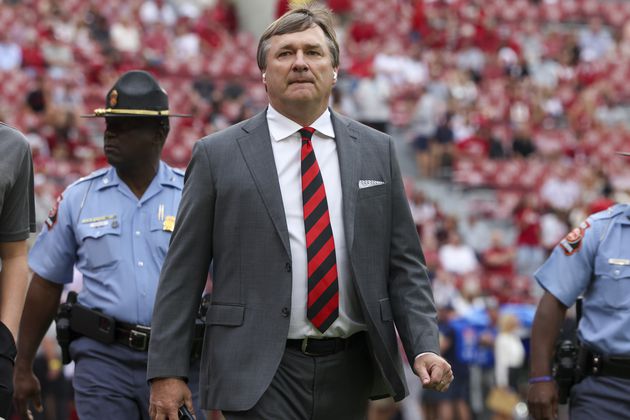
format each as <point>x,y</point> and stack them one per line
<point>162,133</point>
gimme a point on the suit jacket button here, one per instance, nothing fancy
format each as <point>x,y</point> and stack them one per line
<point>287,267</point>
<point>285,312</point>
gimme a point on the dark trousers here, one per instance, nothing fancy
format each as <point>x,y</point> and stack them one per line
<point>333,387</point>
<point>599,398</point>
<point>110,381</point>
<point>7,356</point>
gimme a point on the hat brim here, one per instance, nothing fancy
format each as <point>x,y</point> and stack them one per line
<point>138,113</point>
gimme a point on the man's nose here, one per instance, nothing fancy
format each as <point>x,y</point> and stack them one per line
<point>300,64</point>
<point>110,135</point>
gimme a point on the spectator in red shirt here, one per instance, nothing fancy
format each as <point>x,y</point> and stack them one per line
<point>224,13</point>
<point>529,252</point>
<point>475,146</point>
<point>32,57</point>
<point>498,259</point>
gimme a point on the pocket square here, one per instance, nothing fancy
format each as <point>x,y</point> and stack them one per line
<point>367,183</point>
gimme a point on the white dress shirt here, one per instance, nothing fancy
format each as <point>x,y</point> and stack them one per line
<point>287,144</point>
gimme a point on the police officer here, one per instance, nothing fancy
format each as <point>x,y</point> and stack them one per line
<point>114,226</point>
<point>593,260</point>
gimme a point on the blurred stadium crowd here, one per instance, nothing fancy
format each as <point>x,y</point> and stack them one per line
<point>525,98</point>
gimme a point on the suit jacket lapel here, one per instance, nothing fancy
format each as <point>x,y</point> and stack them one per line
<point>350,166</point>
<point>255,145</point>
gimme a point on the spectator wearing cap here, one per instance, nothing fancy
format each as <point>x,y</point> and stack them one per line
<point>114,225</point>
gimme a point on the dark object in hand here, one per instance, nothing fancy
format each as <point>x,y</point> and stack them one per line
<point>184,413</point>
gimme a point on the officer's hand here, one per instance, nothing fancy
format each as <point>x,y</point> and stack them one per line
<point>542,400</point>
<point>434,371</point>
<point>167,395</point>
<point>26,389</point>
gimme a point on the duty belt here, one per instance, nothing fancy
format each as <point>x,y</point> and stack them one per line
<point>599,365</point>
<point>75,320</point>
<point>136,337</point>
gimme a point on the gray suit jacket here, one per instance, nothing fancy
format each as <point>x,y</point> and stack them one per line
<point>232,214</point>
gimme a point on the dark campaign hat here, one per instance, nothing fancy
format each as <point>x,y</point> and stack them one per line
<point>135,94</point>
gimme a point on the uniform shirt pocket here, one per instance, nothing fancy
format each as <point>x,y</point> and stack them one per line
<point>160,238</point>
<point>612,282</point>
<point>100,245</point>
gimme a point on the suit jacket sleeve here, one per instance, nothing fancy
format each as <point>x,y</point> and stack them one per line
<point>184,272</point>
<point>409,288</point>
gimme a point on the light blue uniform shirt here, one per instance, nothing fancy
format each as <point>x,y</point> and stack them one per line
<point>598,267</point>
<point>117,241</point>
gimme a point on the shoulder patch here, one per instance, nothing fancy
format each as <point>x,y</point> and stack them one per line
<point>573,241</point>
<point>52,214</point>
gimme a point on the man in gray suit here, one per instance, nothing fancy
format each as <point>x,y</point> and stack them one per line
<point>303,214</point>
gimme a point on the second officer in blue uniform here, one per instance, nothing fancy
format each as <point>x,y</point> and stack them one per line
<point>114,226</point>
<point>593,260</point>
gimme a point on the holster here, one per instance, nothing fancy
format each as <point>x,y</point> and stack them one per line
<point>75,320</point>
<point>565,370</point>
<point>64,332</point>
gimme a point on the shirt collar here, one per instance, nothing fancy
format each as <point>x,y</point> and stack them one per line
<point>167,176</point>
<point>164,176</point>
<point>110,179</point>
<point>282,127</point>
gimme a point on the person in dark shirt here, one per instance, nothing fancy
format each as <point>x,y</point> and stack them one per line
<point>17,220</point>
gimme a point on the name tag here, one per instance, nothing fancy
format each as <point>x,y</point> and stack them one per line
<point>102,223</point>
<point>618,261</point>
<point>98,219</point>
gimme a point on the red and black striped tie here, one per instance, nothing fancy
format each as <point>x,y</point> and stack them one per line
<point>323,288</point>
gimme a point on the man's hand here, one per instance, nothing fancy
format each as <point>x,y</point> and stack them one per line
<point>434,371</point>
<point>26,390</point>
<point>542,400</point>
<point>167,395</point>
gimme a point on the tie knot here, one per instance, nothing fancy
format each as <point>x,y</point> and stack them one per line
<point>306,133</point>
